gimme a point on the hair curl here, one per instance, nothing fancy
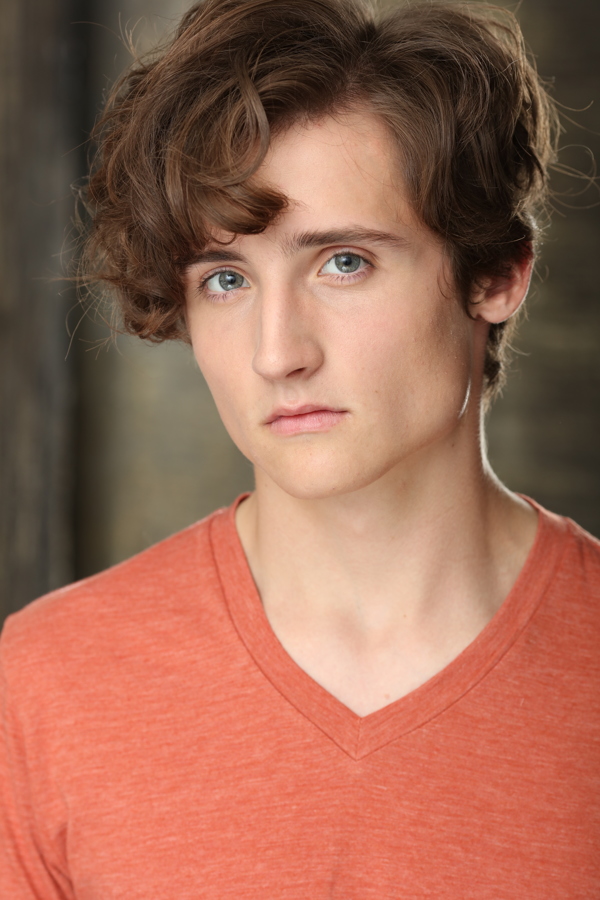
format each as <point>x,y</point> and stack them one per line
<point>184,131</point>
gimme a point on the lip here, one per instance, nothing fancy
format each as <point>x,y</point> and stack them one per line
<point>298,411</point>
<point>306,418</point>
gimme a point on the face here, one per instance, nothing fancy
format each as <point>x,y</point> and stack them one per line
<point>334,349</point>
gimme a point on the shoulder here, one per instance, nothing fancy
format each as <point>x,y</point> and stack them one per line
<point>115,612</point>
<point>579,555</point>
<point>577,584</point>
<point>584,552</point>
<point>568,578</point>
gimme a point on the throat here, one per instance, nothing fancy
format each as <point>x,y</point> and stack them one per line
<point>373,618</point>
<point>368,673</point>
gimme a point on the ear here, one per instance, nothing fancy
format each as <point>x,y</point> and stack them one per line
<point>500,297</point>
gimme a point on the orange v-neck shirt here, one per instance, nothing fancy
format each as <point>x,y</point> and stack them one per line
<point>160,744</point>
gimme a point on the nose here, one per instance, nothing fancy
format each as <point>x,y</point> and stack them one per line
<point>288,342</point>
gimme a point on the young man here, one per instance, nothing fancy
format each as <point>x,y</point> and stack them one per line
<point>377,676</point>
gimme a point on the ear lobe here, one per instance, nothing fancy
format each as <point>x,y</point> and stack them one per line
<point>501,296</point>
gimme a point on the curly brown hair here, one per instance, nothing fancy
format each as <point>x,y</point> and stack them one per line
<point>184,131</point>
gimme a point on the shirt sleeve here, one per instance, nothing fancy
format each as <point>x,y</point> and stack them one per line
<point>27,871</point>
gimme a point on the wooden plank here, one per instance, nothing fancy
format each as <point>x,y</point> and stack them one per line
<point>35,380</point>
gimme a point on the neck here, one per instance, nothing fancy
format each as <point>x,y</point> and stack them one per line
<point>375,591</point>
<point>423,534</point>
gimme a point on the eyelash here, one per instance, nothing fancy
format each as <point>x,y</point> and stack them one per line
<point>351,277</point>
<point>203,282</point>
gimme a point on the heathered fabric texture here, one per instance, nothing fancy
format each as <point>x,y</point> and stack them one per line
<point>159,744</point>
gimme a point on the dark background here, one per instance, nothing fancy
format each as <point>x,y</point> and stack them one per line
<point>106,447</point>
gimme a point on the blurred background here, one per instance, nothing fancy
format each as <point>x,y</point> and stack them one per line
<point>108,446</point>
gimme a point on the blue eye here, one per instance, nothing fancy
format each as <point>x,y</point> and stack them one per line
<point>343,264</point>
<point>222,282</point>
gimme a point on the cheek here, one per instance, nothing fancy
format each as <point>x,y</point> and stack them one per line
<point>216,363</point>
<point>415,355</point>
<point>223,361</point>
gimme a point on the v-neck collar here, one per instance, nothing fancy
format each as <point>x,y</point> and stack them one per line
<point>358,735</point>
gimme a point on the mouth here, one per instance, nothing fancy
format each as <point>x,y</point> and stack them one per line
<point>303,419</point>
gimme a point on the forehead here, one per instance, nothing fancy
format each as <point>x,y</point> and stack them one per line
<point>338,173</point>
<point>355,139</point>
<point>345,165</point>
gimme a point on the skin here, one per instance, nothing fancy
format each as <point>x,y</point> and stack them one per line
<point>381,543</point>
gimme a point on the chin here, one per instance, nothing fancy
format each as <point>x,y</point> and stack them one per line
<point>322,479</point>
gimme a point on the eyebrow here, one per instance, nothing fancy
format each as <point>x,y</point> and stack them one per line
<point>216,256</point>
<point>306,239</point>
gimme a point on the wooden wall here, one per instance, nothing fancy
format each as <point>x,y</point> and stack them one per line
<point>544,434</point>
<point>39,99</point>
